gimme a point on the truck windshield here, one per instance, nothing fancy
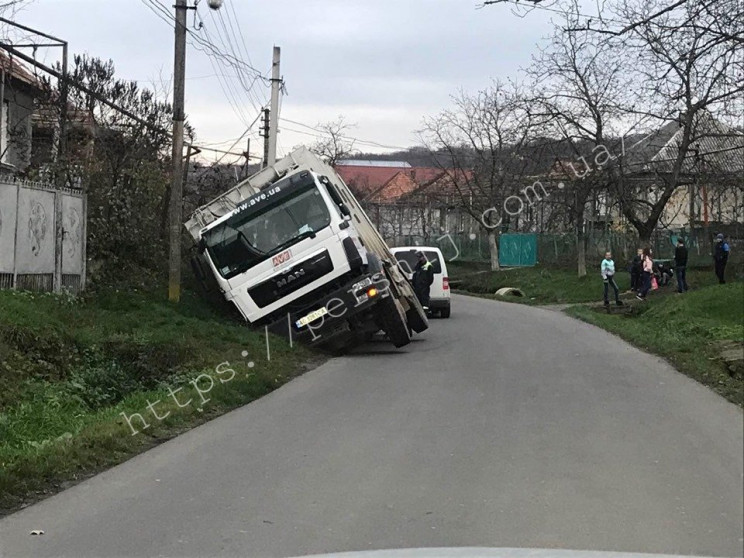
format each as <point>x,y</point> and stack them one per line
<point>250,237</point>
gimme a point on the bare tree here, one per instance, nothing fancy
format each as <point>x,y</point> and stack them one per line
<point>334,144</point>
<point>689,68</point>
<point>121,163</point>
<point>481,144</point>
<point>603,23</point>
<point>580,83</point>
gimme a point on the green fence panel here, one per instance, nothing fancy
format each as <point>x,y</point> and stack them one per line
<point>517,250</point>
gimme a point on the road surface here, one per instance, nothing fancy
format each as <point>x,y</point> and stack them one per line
<point>504,426</point>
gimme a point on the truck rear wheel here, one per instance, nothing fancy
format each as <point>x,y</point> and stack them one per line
<point>416,317</point>
<point>393,322</point>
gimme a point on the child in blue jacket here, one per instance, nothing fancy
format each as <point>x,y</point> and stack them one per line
<point>608,277</point>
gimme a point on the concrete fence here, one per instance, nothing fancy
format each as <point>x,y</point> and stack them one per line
<point>42,236</point>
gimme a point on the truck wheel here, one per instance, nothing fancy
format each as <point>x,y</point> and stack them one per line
<point>445,312</point>
<point>417,317</point>
<point>393,322</point>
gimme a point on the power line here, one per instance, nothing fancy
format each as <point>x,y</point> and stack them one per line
<point>227,43</point>
<point>244,53</point>
<point>162,11</point>
<point>216,56</point>
<point>247,130</point>
<point>321,134</point>
<point>241,43</point>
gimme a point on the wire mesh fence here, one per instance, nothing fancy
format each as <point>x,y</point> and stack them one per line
<point>560,249</point>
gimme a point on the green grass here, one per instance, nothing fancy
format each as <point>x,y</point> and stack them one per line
<point>546,286</point>
<point>687,330</point>
<point>69,368</point>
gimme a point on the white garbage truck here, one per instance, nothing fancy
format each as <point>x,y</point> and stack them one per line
<point>292,249</point>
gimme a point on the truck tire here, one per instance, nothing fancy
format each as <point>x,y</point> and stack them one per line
<point>445,312</point>
<point>393,322</point>
<point>417,317</point>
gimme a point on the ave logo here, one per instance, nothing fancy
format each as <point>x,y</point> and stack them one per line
<point>281,258</point>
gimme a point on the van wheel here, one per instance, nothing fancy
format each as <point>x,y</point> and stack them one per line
<point>445,312</point>
<point>393,322</point>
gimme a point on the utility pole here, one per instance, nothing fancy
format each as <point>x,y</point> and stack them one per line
<point>276,81</point>
<point>176,194</point>
<point>266,134</point>
<point>247,155</point>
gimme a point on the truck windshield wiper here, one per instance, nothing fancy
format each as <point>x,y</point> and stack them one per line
<point>250,247</point>
<point>297,238</point>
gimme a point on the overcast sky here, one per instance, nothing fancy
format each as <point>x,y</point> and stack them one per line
<point>382,64</point>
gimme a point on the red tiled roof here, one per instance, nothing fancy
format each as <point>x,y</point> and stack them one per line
<point>398,186</point>
<point>369,181</point>
<point>365,180</point>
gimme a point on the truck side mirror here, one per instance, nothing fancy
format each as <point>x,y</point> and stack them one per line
<point>344,209</point>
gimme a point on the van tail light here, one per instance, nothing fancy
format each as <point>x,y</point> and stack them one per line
<point>445,283</point>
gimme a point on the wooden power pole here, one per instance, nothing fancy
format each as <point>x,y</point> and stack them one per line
<point>176,194</point>
<point>276,82</point>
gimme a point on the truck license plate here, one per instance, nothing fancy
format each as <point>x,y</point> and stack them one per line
<point>312,316</point>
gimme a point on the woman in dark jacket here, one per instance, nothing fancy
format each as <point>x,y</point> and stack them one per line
<point>635,271</point>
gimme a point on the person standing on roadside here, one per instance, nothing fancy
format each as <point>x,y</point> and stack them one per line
<point>721,251</point>
<point>423,277</point>
<point>636,268</point>
<point>680,265</point>
<point>607,269</point>
<point>647,270</point>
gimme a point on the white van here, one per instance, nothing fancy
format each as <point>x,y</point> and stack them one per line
<point>439,295</point>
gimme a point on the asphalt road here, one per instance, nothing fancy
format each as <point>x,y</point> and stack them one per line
<point>504,426</point>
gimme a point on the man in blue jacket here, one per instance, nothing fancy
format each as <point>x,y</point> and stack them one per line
<point>721,251</point>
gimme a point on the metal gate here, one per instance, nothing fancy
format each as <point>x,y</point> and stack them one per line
<point>42,236</point>
<point>517,250</point>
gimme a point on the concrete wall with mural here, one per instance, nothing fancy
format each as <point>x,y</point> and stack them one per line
<point>42,237</point>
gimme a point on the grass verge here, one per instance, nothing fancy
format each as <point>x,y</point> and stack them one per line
<point>70,367</point>
<point>548,286</point>
<point>688,330</point>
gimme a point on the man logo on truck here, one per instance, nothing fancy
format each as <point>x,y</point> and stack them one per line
<point>289,278</point>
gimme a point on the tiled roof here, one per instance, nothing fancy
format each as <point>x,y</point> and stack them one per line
<point>364,180</point>
<point>369,163</point>
<point>716,148</point>
<point>15,69</point>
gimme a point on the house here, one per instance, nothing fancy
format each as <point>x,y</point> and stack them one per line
<point>365,177</point>
<point>712,173</point>
<point>81,132</point>
<point>406,203</point>
<point>19,90</point>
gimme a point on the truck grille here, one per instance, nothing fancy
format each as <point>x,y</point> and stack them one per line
<point>291,279</point>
